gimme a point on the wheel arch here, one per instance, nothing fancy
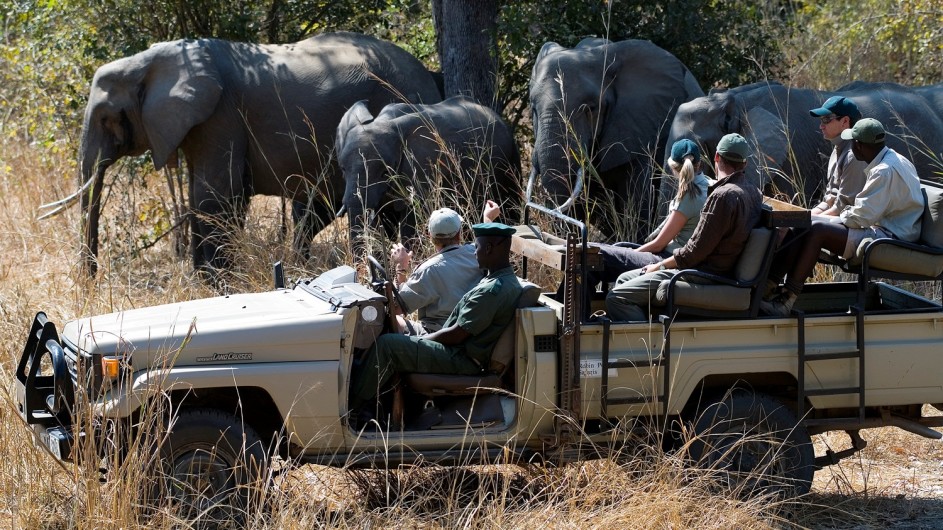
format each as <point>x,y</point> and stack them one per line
<point>253,405</point>
<point>779,385</point>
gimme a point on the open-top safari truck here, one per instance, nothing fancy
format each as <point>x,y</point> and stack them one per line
<point>243,378</point>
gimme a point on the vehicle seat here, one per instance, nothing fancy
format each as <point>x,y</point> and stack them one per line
<point>502,356</point>
<point>700,293</point>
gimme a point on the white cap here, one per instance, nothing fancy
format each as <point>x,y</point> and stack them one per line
<point>444,222</point>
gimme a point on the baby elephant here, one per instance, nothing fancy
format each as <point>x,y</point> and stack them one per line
<point>408,157</point>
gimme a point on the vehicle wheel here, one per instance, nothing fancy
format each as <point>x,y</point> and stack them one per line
<point>756,444</point>
<point>211,464</point>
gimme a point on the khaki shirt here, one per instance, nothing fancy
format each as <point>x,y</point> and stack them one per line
<point>846,176</point>
<point>436,285</point>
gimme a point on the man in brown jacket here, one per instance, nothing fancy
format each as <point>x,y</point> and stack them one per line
<point>732,210</point>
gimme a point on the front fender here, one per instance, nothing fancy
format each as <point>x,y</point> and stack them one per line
<point>300,389</point>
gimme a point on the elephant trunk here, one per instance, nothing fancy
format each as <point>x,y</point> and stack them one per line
<point>94,164</point>
<point>362,204</point>
<point>559,155</point>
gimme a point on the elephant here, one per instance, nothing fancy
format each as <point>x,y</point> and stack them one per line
<point>607,105</point>
<point>791,154</point>
<point>249,119</point>
<point>457,146</point>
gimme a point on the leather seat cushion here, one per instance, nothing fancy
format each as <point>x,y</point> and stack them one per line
<point>931,226</point>
<point>904,260</point>
<point>706,296</point>
<point>451,385</point>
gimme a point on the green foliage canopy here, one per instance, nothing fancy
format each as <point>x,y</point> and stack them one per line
<point>51,48</point>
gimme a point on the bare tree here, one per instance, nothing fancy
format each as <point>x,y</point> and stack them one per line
<point>466,38</point>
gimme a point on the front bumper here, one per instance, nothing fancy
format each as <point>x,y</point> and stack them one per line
<point>46,386</point>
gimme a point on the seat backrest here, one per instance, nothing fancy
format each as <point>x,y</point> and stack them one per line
<point>751,261</point>
<point>503,353</point>
<point>931,226</point>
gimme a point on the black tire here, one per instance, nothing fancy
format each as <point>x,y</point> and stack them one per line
<point>211,465</point>
<point>755,444</point>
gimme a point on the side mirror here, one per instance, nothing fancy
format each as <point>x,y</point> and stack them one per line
<point>278,275</point>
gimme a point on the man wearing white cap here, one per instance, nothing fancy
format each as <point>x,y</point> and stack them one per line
<point>437,284</point>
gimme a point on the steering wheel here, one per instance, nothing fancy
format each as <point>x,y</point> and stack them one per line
<point>378,278</point>
<point>377,272</point>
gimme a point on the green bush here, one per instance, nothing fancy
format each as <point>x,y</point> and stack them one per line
<point>868,40</point>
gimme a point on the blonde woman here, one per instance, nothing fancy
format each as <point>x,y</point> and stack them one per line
<point>675,230</point>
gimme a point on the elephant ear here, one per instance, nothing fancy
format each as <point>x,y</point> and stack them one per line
<point>181,90</point>
<point>357,114</point>
<point>545,50</point>
<point>593,42</point>
<point>766,132</point>
<point>646,85</point>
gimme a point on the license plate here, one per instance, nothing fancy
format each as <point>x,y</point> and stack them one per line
<point>52,443</point>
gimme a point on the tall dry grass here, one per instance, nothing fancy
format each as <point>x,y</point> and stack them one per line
<point>646,488</point>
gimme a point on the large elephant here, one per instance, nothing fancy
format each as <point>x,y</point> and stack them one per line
<point>607,105</point>
<point>249,119</point>
<point>458,148</point>
<point>791,154</point>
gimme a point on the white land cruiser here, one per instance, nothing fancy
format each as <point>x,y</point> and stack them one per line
<point>247,377</point>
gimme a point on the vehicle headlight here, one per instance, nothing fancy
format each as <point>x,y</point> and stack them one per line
<point>369,314</point>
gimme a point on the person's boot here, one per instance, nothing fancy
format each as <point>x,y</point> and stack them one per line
<point>780,305</point>
<point>771,290</point>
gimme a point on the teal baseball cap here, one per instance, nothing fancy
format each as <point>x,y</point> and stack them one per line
<point>839,106</point>
<point>683,148</point>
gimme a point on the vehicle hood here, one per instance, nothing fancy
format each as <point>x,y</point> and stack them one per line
<point>281,325</point>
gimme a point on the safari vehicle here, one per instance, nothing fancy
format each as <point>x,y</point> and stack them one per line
<point>251,376</point>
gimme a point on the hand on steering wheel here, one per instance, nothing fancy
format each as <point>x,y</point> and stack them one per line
<point>377,271</point>
<point>378,278</point>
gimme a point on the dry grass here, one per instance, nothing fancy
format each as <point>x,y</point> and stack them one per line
<point>895,482</point>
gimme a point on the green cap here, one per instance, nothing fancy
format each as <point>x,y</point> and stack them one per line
<point>734,148</point>
<point>866,131</point>
<point>492,229</point>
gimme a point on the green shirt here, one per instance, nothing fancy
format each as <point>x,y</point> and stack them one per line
<point>485,311</point>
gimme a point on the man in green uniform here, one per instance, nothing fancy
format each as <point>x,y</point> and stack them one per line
<point>463,345</point>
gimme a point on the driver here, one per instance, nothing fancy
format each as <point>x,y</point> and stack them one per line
<point>463,345</point>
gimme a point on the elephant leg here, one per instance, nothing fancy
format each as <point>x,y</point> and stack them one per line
<point>310,217</point>
<point>626,215</point>
<point>217,219</point>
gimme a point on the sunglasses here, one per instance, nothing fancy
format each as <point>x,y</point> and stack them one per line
<point>829,119</point>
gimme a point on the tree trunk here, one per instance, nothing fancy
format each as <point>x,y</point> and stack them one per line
<point>466,39</point>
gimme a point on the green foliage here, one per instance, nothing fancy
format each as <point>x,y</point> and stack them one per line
<point>868,40</point>
<point>44,73</point>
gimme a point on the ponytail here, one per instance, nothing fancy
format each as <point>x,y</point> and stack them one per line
<point>686,174</point>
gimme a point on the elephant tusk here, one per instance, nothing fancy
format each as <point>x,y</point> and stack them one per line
<point>530,184</point>
<point>67,200</point>
<point>341,213</point>
<point>53,213</point>
<point>576,191</point>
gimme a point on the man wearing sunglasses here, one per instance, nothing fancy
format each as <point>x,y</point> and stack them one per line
<point>845,177</point>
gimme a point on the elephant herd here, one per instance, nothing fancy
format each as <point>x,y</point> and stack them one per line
<point>344,119</point>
